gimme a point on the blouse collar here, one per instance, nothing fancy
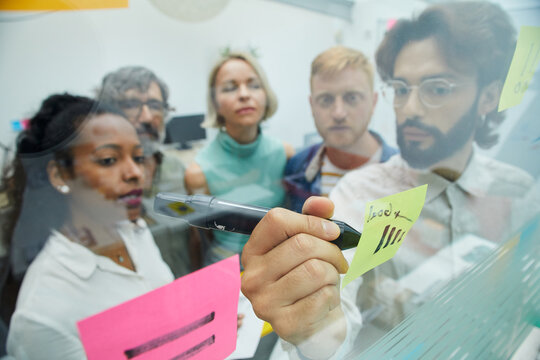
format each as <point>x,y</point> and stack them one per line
<point>234,148</point>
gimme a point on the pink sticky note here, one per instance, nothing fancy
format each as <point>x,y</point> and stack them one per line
<point>193,317</point>
<point>390,23</point>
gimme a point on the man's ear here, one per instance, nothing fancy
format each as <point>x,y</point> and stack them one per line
<point>489,98</point>
<point>310,98</point>
<point>55,177</point>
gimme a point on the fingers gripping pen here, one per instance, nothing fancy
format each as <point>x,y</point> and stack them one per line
<point>208,212</point>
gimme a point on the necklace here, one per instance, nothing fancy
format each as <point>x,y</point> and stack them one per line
<point>116,251</point>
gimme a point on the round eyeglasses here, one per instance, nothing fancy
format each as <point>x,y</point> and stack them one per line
<point>433,93</point>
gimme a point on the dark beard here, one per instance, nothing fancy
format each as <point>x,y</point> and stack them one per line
<point>444,145</point>
<point>146,130</point>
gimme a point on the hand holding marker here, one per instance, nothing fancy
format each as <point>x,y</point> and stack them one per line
<point>208,212</point>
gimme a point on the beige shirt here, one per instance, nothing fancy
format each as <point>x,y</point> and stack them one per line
<point>490,199</point>
<point>488,204</point>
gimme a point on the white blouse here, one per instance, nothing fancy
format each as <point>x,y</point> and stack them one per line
<point>67,282</point>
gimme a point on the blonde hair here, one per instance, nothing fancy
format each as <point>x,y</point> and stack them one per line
<point>213,119</point>
<point>337,58</point>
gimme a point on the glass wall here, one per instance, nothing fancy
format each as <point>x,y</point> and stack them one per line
<point>108,106</point>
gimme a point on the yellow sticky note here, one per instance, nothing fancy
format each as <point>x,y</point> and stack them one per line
<point>38,5</point>
<point>522,68</point>
<point>386,223</point>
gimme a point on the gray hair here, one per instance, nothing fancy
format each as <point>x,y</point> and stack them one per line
<point>116,83</point>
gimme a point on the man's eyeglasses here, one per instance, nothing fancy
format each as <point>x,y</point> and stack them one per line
<point>433,93</point>
<point>133,107</point>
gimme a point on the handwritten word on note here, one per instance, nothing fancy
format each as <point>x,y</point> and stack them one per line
<point>386,222</point>
<point>193,317</point>
<point>522,68</point>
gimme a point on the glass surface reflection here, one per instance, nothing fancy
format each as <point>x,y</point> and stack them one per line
<point>463,284</point>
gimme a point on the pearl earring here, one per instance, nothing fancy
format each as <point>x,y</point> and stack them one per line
<point>64,189</point>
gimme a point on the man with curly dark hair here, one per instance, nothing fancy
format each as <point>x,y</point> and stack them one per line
<point>444,70</point>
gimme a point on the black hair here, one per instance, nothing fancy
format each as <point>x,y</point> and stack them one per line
<point>36,207</point>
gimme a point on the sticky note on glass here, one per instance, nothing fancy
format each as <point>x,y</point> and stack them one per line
<point>38,5</point>
<point>386,222</point>
<point>193,317</point>
<point>522,68</point>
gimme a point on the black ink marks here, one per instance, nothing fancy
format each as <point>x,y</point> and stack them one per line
<point>397,238</point>
<point>374,213</point>
<point>379,213</point>
<point>173,335</point>
<point>397,214</point>
<point>196,349</point>
<point>397,234</point>
<point>382,238</point>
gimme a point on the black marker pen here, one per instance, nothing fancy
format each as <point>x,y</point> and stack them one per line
<point>208,212</point>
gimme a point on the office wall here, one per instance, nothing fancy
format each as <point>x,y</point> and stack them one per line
<point>365,33</point>
<point>42,53</point>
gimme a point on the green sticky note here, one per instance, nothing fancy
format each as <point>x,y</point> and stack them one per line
<point>522,68</point>
<point>386,223</point>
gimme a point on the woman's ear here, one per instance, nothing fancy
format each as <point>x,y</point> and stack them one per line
<point>56,179</point>
<point>375,99</point>
<point>489,98</point>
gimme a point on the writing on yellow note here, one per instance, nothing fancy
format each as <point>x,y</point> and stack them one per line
<point>386,222</point>
<point>522,68</point>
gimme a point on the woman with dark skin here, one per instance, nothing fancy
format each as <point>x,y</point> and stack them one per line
<point>76,187</point>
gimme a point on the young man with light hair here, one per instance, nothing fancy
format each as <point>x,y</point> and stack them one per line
<point>342,102</point>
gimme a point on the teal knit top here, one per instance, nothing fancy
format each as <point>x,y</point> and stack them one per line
<point>244,173</point>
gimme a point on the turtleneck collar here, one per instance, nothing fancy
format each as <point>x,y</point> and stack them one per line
<point>236,149</point>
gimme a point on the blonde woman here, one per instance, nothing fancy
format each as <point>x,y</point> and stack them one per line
<point>242,163</point>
